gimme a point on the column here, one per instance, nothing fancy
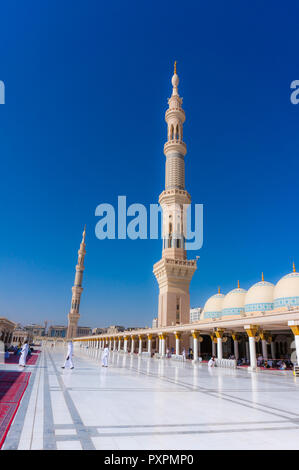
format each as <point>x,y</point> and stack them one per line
<point>294,325</point>
<point>114,344</point>
<point>263,337</point>
<point>126,344</point>
<point>110,344</point>
<point>132,344</point>
<point>247,350</point>
<point>264,349</point>
<point>177,343</point>
<point>273,349</point>
<point>212,336</point>
<point>163,345</point>
<point>252,335</point>
<point>160,344</point>
<point>140,337</point>
<point>219,334</point>
<point>149,344</point>
<point>236,345</point>
<point>195,335</point>
<point>119,343</point>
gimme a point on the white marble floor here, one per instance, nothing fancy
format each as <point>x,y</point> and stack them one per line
<point>141,403</point>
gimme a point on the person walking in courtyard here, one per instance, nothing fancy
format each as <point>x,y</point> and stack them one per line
<point>105,356</point>
<point>24,352</point>
<point>69,357</point>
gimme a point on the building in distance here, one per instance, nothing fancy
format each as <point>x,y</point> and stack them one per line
<point>195,314</point>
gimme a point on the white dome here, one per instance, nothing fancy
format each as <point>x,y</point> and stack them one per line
<point>259,297</point>
<point>233,303</point>
<point>213,307</point>
<point>286,291</point>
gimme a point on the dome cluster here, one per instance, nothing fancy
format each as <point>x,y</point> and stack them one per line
<point>261,297</point>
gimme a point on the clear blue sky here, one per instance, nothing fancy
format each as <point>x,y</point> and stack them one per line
<point>86,91</point>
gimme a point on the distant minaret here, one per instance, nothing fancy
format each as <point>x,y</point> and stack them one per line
<point>174,271</point>
<point>77,289</point>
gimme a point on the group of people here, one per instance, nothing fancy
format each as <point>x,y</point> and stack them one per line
<point>21,350</point>
<point>281,364</point>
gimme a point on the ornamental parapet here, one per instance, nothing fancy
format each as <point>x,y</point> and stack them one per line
<point>175,112</point>
<point>181,262</point>
<point>175,146</point>
<point>175,195</point>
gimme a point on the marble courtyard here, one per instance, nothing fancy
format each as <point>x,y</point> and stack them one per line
<point>147,403</point>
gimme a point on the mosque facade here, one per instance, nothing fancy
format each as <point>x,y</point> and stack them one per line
<point>261,320</point>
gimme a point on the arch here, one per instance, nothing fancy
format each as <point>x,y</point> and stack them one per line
<point>171,132</point>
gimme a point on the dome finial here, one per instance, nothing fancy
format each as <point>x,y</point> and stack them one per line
<point>238,284</point>
<point>218,289</point>
<point>175,81</point>
<point>294,269</point>
<point>263,277</point>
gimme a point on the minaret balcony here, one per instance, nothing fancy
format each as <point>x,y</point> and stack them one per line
<point>175,112</point>
<point>175,146</point>
<point>174,196</point>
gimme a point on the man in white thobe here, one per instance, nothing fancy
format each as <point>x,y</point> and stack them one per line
<point>24,352</point>
<point>69,356</point>
<point>212,362</point>
<point>105,357</point>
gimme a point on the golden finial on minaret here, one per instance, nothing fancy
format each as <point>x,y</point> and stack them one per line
<point>174,67</point>
<point>294,269</point>
<point>219,290</point>
<point>263,277</point>
<point>238,284</point>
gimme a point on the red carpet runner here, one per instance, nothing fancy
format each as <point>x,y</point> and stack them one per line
<point>12,388</point>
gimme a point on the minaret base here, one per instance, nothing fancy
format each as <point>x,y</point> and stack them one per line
<point>174,277</point>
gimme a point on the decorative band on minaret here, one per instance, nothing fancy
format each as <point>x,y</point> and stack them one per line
<point>174,272</point>
<point>73,316</point>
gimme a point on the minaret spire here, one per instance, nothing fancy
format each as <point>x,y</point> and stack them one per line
<point>77,289</point>
<point>174,271</point>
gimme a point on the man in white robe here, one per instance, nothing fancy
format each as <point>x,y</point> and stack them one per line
<point>105,356</point>
<point>69,356</point>
<point>212,362</point>
<point>24,352</point>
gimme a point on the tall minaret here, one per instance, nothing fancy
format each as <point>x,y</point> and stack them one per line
<point>174,272</point>
<point>77,289</point>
